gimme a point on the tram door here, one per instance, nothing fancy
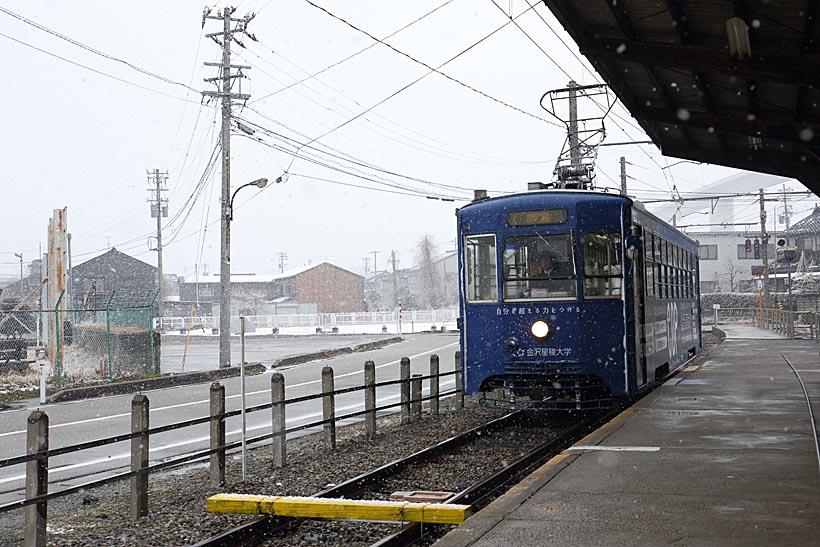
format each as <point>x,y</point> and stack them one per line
<point>639,307</point>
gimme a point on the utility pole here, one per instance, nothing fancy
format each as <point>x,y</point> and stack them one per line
<point>69,283</point>
<point>764,240</point>
<point>366,261</point>
<point>574,151</point>
<point>224,39</point>
<point>159,209</point>
<point>623,176</point>
<point>376,268</point>
<point>395,277</point>
<point>283,259</point>
<point>785,207</point>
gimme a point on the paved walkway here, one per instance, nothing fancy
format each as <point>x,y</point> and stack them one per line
<point>721,455</point>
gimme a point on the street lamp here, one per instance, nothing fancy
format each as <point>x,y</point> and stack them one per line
<point>259,183</point>
<point>225,280</point>
<point>679,162</point>
<point>20,256</point>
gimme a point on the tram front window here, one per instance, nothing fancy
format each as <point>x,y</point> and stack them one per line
<point>539,267</point>
<point>480,268</point>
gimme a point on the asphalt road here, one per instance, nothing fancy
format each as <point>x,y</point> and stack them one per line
<point>203,352</point>
<point>80,421</point>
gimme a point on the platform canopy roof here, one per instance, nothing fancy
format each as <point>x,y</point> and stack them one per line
<point>728,82</point>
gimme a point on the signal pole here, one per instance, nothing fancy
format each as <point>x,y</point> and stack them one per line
<point>159,210</point>
<point>224,39</point>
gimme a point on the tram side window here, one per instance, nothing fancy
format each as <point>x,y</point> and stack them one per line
<point>539,267</point>
<point>603,276</point>
<point>482,284</point>
<point>649,263</point>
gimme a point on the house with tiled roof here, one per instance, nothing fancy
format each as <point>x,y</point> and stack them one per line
<point>805,235</point>
<point>330,288</point>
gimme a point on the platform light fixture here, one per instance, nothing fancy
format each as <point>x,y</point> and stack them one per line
<point>737,32</point>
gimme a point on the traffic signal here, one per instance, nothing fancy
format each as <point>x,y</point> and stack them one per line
<point>748,246</point>
<point>757,248</point>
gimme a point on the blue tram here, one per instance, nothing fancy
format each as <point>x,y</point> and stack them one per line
<point>572,299</point>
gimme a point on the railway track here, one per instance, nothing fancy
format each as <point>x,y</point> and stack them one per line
<point>478,465</point>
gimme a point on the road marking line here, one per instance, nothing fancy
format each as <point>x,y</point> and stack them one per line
<point>616,448</point>
<point>206,401</point>
<point>296,420</point>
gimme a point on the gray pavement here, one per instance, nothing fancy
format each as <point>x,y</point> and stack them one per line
<point>722,454</point>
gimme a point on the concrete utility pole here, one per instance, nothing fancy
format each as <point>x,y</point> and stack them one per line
<point>764,240</point>
<point>224,39</point>
<point>574,151</point>
<point>395,278</point>
<point>623,176</point>
<point>375,267</point>
<point>283,259</point>
<point>159,209</point>
<point>785,207</point>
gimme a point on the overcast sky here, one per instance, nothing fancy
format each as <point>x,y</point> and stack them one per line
<point>80,130</point>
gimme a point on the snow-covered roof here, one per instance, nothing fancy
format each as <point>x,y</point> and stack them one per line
<point>809,225</point>
<point>259,278</point>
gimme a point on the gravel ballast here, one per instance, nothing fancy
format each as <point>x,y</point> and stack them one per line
<point>99,517</point>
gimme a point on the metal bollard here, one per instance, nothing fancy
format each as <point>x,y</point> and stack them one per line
<point>415,397</point>
<point>139,457</point>
<point>459,391</point>
<point>36,479</point>
<point>277,398</point>
<point>217,434</point>
<point>434,385</point>
<point>404,374</point>
<point>370,398</point>
<point>328,409</point>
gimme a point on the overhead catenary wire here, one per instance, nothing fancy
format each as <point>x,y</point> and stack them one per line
<point>455,153</point>
<point>349,57</point>
<point>436,69</point>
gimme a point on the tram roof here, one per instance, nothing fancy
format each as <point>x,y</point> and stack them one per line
<point>670,63</point>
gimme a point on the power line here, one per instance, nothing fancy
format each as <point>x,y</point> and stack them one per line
<point>337,63</point>
<point>95,51</point>
<point>100,72</point>
<point>434,69</point>
<point>461,154</point>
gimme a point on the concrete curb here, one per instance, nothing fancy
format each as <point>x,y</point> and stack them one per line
<point>328,353</point>
<point>147,384</point>
<point>721,335</point>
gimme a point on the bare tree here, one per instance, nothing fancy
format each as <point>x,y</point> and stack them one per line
<point>429,282</point>
<point>732,272</point>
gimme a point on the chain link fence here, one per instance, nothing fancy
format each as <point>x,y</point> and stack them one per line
<point>108,339</point>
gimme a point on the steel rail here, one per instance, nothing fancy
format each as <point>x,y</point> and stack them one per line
<point>255,532</point>
<point>811,411</point>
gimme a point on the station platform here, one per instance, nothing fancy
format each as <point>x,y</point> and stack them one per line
<point>722,454</point>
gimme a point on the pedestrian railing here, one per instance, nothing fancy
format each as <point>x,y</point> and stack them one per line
<point>38,452</point>
<point>790,324</point>
<point>316,320</point>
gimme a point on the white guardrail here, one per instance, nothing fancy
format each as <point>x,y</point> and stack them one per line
<point>348,323</point>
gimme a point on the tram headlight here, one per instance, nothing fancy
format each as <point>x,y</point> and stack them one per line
<point>540,329</point>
